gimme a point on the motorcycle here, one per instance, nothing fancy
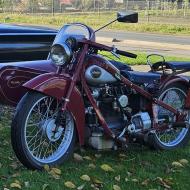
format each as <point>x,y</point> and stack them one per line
<point>92,101</point>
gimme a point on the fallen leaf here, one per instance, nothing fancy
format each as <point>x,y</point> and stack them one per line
<point>177,164</point>
<point>16,174</point>
<point>77,157</point>
<point>92,166</point>
<point>15,185</point>
<point>107,168</point>
<point>54,175</point>
<point>168,181</point>
<point>46,168</point>
<point>94,187</point>
<point>126,179</point>
<point>135,180</point>
<point>163,183</point>
<point>116,187</point>
<point>5,188</point>
<point>129,174</point>
<point>122,155</point>
<point>70,185</point>
<point>97,155</point>
<point>85,177</point>
<point>81,187</point>
<point>183,161</point>
<point>145,182</point>
<point>96,181</point>
<point>118,178</point>
<point>87,158</point>
<point>56,171</point>
<point>44,187</point>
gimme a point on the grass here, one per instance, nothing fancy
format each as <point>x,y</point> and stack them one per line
<point>137,164</point>
<point>135,168</point>
<point>96,20</point>
<point>141,58</point>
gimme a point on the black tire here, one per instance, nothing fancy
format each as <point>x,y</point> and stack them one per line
<point>154,141</point>
<point>18,139</point>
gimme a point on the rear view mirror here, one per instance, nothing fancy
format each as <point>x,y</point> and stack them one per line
<point>128,17</point>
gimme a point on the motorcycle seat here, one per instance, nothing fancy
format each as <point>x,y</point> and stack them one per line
<point>174,65</point>
<point>141,77</point>
<point>120,65</point>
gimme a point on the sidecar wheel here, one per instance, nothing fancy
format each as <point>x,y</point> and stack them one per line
<point>34,140</point>
<point>171,138</point>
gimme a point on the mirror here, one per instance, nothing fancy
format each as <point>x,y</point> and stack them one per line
<point>128,17</point>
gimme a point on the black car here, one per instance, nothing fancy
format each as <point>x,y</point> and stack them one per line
<point>25,43</point>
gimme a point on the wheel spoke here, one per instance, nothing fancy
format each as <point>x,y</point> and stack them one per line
<point>174,97</point>
<point>43,144</point>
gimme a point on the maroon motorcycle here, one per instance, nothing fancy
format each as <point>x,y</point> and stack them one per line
<point>94,101</point>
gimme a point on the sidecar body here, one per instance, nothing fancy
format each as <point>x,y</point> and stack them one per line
<point>14,75</point>
<point>25,43</point>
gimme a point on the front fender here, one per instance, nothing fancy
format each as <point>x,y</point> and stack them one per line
<point>56,86</point>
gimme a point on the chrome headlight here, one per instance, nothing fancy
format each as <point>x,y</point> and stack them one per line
<point>61,54</point>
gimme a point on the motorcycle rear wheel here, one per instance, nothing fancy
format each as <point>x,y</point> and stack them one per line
<point>173,95</point>
<point>32,132</point>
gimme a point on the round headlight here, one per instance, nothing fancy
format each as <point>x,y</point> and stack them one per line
<point>61,54</point>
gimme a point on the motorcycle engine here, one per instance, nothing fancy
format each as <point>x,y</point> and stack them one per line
<point>140,121</point>
<point>112,101</point>
<point>120,107</point>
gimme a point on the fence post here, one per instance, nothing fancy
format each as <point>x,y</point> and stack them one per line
<point>147,9</point>
<point>53,7</point>
<point>126,4</point>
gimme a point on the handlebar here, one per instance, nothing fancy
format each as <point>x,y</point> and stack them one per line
<point>127,54</point>
<point>102,47</point>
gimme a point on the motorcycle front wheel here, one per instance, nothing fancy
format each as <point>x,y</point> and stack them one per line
<point>34,139</point>
<point>171,138</point>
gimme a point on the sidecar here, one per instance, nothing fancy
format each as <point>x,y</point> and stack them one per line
<point>14,75</point>
<point>19,47</point>
<point>25,43</point>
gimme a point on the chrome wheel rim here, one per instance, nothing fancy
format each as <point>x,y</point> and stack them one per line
<point>43,143</point>
<point>176,98</point>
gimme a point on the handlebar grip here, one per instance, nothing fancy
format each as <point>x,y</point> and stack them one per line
<point>127,54</point>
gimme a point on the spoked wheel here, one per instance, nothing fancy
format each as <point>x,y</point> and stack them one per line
<point>171,138</point>
<point>36,139</point>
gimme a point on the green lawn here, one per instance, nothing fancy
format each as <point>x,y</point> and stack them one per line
<point>136,168</point>
<point>96,20</point>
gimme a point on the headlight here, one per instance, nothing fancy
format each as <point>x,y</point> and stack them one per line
<point>61,54</point>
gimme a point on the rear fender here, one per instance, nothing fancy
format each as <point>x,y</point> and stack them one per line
<point>56,86</point>
<point>176,79</point>
<point>183,80</point>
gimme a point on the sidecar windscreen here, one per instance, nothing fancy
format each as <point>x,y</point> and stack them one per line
<point>127,17</point>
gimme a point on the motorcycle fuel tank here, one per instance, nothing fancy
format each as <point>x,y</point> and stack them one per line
<point>95,75</point>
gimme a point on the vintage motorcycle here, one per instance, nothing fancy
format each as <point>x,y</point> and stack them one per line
<point>93,101</point>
